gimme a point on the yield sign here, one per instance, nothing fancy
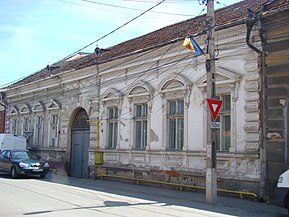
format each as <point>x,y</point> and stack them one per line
<point>215,106</point>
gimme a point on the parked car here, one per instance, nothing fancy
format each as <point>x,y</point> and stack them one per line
<point>22,162</point>
<point>282,191</point>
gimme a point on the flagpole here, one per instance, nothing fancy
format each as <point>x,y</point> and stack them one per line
<point>211,165</point>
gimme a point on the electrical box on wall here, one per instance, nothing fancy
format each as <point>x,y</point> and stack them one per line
<point>98,158</point>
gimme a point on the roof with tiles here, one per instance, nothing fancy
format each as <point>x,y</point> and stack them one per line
<point>225,16</point>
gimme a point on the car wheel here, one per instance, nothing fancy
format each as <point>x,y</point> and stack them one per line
<point>42,176</point>
<point>14,174</point>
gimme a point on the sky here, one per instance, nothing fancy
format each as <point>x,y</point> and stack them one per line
<point>35,33</point>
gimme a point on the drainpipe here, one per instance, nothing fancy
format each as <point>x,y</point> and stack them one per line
<point>263,103</point>
<point>250,22</point>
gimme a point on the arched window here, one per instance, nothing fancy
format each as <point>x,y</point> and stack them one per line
<point>139,100</point>
<point>53,109</point>
<point>38,111</point>
<point>111,105</point>
<point>174,92</point>
<point>13,116</point>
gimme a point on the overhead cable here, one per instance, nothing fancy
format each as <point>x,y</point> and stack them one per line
<point>110,32</point>
<point>136,9</point>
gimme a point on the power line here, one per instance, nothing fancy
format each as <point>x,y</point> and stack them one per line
<point>110,32</point>
<point>125,13</point>
<point>143,73</point>
<point>167,1</point>
<point>158,93</point>
<point>168,62</point>
<point>136,9</point>
<point>20,79</point>
<point>172,81</point>
<point>157,67</point>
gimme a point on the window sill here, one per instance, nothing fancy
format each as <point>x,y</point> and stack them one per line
<point>139,149</point>
<point>174,150</point>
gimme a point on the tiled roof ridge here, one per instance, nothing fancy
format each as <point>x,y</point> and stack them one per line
<point>227,15</point>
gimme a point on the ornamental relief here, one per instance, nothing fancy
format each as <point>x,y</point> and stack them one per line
<point>140,99</point>
<point>71,86</point>
<point>251,147</point>
<point>175,94</point>
<point>25,109</point>
<point>197,98</point>
<point>224,89</point>
<point>81,120</point>
<point>87,82</point>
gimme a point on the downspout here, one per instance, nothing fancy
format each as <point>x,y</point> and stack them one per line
<point>263,100</point>
<point>250,22</point>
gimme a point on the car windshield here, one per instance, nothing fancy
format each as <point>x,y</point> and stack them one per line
<point>23,155</point>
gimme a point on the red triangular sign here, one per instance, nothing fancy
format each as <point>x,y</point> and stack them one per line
<point>215,106</point>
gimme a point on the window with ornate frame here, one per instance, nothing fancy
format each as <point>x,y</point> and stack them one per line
<point>175,119</point>
<point>14,126</point>
<point>139,96</point>
<point>25,125</point>
<point>140,125</point>
<point>38,120</point>
<point>53,110</point>
<point>53,131</point>
<point>110,108</point>
<point>25,113</point>
<point>38,130</point>
<point>14,120</point>
<point>112,125</point>
<point>175,90</point>
<point>223,141</point>
<point>227,90</point>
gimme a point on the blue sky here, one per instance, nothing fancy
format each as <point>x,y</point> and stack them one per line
<point>34,33</point>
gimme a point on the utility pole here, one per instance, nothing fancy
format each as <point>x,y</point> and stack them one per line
<point>211,165</point>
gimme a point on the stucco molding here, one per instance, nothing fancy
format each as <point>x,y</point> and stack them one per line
<point>38,107</point>
<point>25,109</point>
<point>14,111</point>
<point>53,105</point>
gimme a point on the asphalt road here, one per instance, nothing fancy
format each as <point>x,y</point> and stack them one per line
<point>59,196</point>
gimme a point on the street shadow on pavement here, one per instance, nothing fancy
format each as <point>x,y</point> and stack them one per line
<point>168,197</point>
<point>105,204</point>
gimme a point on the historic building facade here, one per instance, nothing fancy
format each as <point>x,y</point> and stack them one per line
<point>142,104</point>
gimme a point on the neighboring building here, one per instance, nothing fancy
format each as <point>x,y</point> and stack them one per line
<point>275,28</point>
<point>146,98</point>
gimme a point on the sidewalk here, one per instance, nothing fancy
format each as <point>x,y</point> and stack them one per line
<point>182,198</point>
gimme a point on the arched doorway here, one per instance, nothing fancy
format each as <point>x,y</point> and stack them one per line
<point>79,145</point>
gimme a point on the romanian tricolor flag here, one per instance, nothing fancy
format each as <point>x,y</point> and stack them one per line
<point>191,44</point>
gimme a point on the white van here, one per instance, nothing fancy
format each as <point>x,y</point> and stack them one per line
<point>282,191</point>
<point>9,141</point>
